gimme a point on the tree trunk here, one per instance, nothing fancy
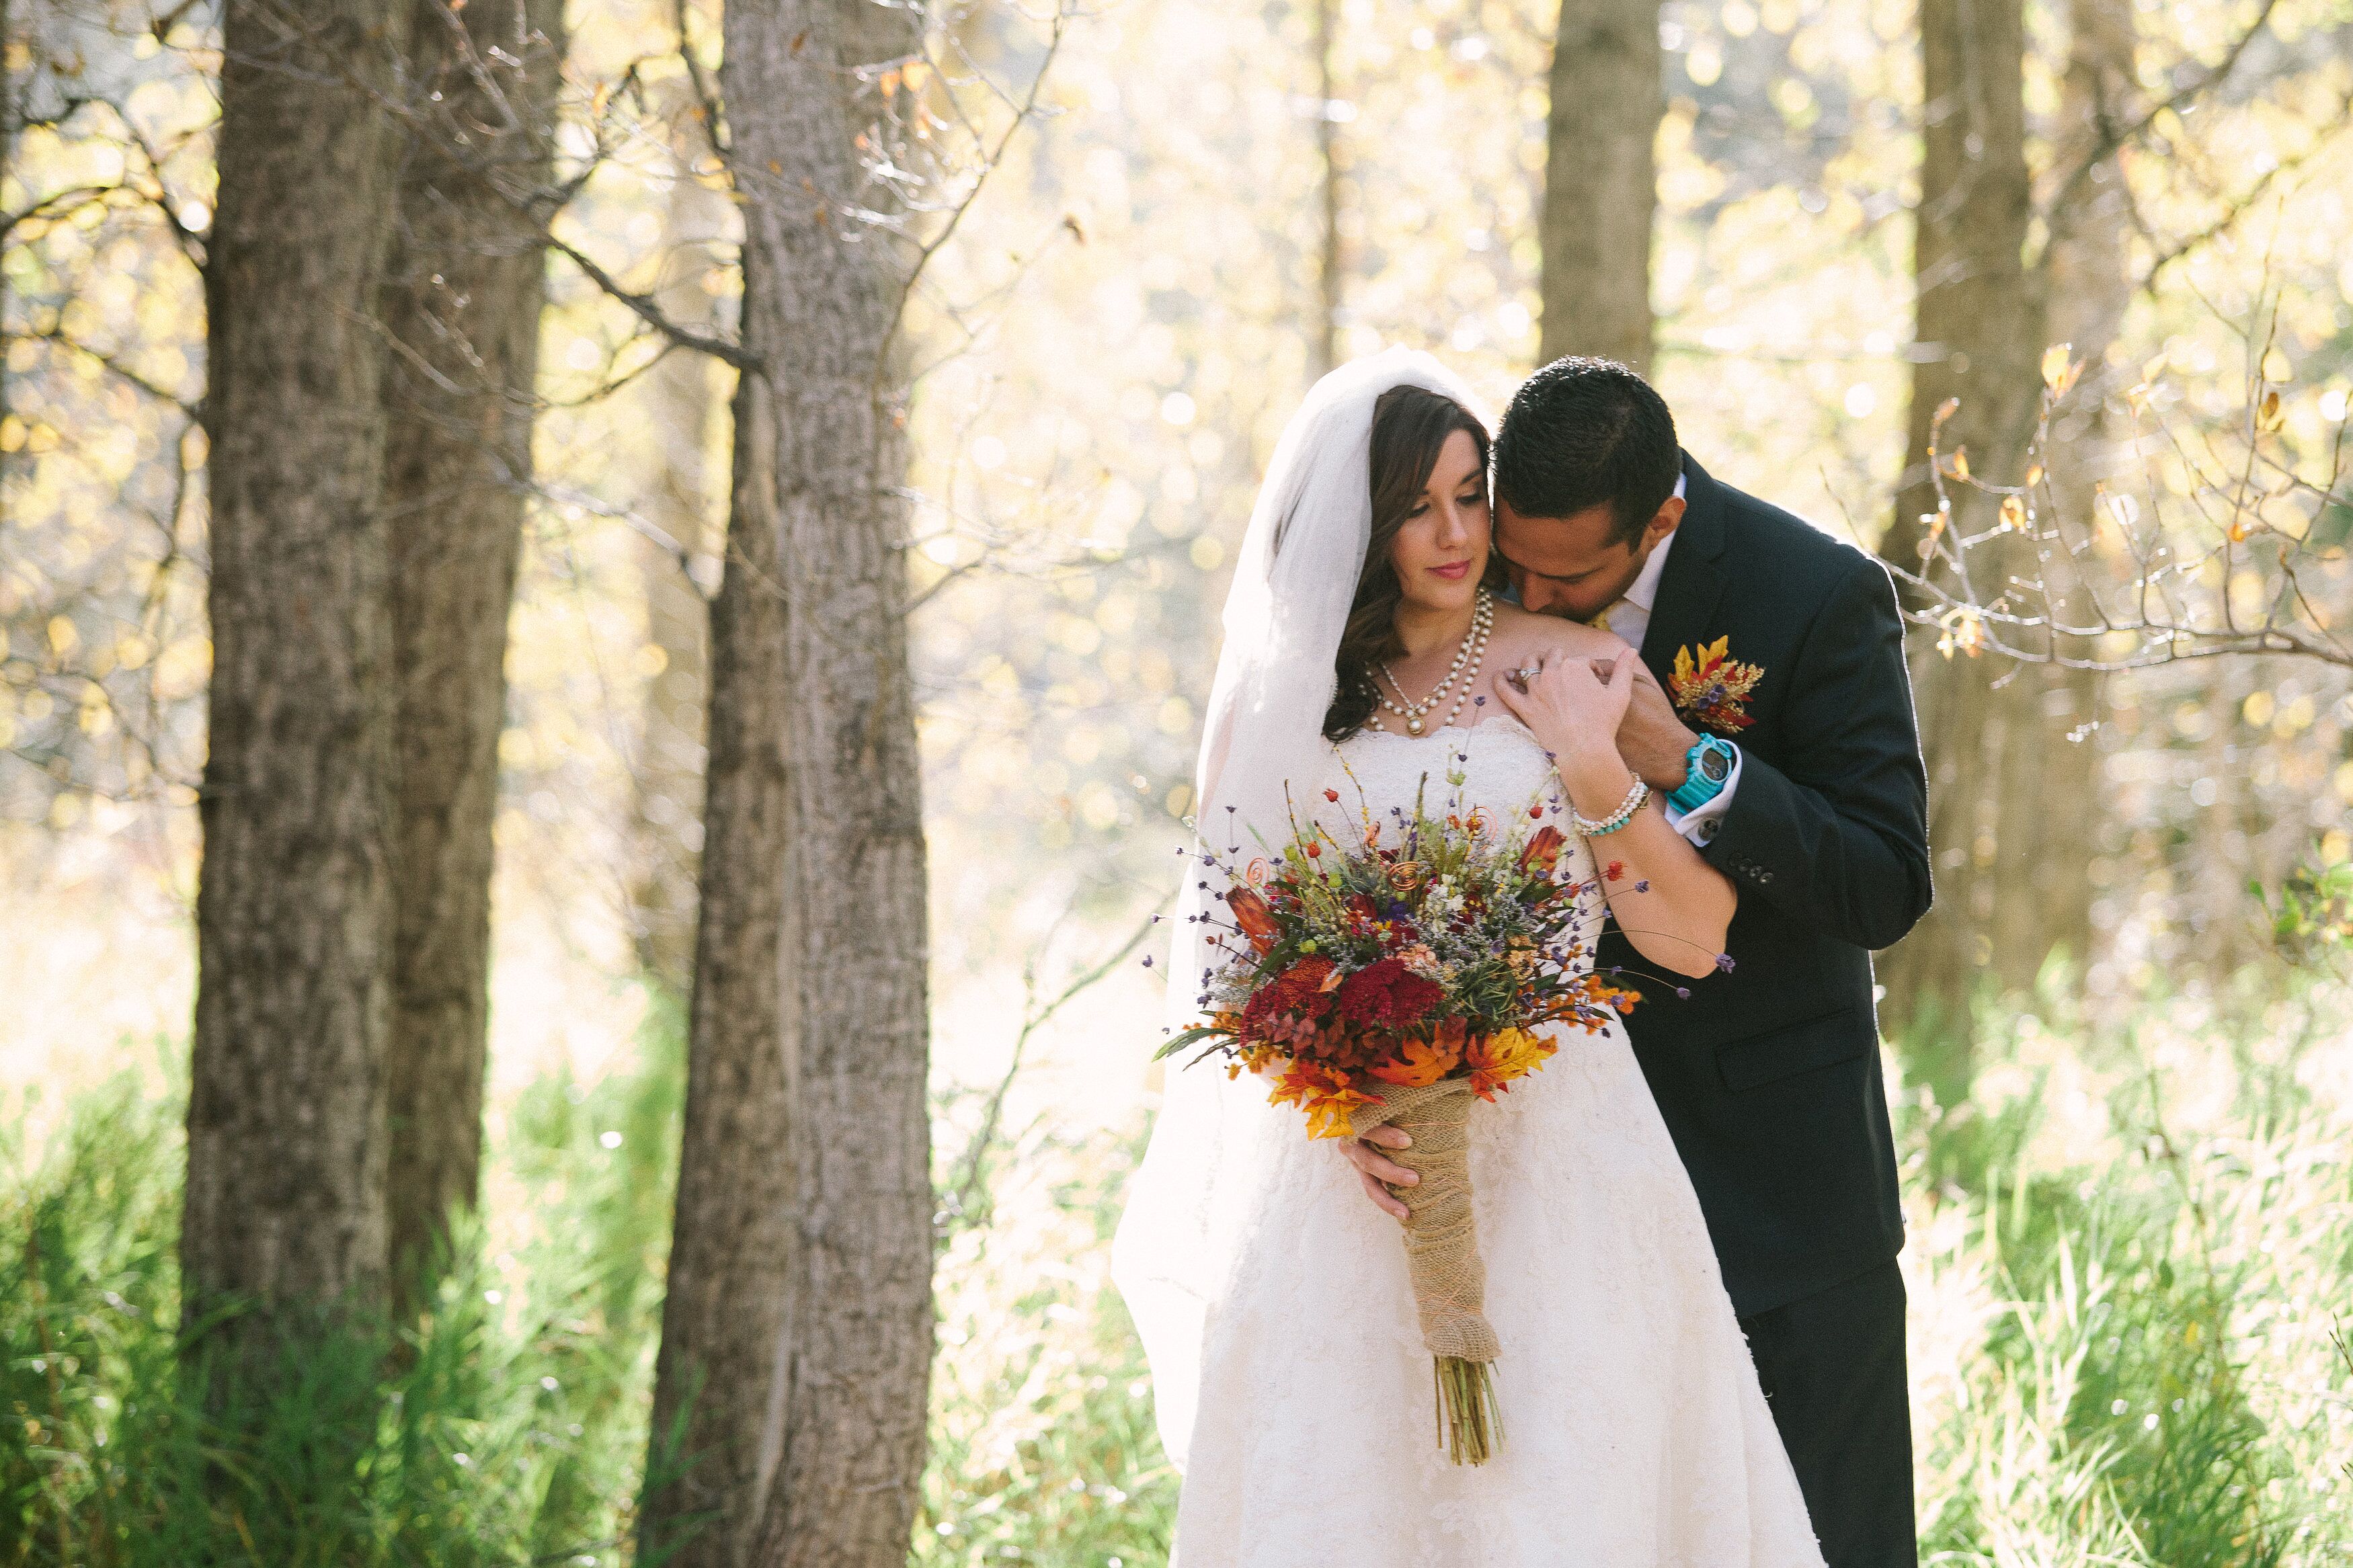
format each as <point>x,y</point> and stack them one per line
<point>1979,340</point>
<point>8,161</point>
<point>2050,815</point>
<point>286,1108</point>
<point>719,1387</point>
<point>461,304</point>
<point>1325,348</point>
<point>1601,181</point>
<point>810,991</point>
<point>670,757</point>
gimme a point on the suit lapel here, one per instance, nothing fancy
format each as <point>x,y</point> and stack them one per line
<point>1692,583</point>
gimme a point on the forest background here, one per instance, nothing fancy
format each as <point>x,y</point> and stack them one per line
<point>426,410</point>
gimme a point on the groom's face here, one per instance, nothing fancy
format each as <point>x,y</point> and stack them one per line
<point>1573,566</point>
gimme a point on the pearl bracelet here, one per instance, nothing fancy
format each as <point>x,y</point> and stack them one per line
<point>1615,819</point>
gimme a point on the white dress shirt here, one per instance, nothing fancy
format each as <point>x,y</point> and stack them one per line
<point>1627,619</point>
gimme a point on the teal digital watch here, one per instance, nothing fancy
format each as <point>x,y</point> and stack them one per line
<point>1707,765</point>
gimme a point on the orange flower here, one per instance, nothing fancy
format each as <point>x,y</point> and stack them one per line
<point>1541,851</point>
<point>1255,918</point>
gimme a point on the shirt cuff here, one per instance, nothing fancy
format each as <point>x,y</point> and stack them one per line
<point>1702,823</point>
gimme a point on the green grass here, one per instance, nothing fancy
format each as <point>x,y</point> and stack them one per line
<point>2131,1270</point>
<point>1043,1449</point>
<point>506,1427</point>
<point>2126,1328</point>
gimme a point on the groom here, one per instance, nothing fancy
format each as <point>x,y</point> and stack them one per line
<point>1793,762</point>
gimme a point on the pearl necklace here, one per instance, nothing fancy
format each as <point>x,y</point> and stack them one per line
<point>1473,651</point>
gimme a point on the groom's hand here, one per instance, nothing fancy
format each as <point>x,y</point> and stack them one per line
<point>1651,739</point>
<point>1373,1170</point>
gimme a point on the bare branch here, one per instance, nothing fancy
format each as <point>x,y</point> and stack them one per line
<point>706,91</point>
<point>111,365</point>
<point>645,309</point>
<point>966,1190</point>
<point>2071,189</point>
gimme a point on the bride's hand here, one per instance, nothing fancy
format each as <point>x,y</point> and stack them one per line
<point>1573,704</point>
<point>1373,1170</point>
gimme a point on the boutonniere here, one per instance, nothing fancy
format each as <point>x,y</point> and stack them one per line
<point>1710,687</point>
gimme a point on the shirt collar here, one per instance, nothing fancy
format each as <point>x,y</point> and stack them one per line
<point>1645,591</point>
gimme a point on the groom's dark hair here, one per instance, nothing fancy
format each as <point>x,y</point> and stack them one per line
<point>1583,432</point>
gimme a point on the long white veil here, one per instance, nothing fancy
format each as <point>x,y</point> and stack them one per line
<point>1189,1204</point>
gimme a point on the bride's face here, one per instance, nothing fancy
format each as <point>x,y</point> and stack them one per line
<point>1440,551</point>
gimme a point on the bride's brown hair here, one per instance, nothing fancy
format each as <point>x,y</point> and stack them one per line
<point>1411,426</point>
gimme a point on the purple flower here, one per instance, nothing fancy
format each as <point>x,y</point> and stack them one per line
<point>1682,992</point>
<point>1643,886</point>
<point>1724,963</point>
<point>1147,961</point>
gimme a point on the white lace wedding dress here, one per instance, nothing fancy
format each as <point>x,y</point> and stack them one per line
<point>1300,1398</point>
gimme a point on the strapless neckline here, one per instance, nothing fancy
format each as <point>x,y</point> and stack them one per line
<point>1452,731</point>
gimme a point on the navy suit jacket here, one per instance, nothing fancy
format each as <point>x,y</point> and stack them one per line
<point>1768,1076</point>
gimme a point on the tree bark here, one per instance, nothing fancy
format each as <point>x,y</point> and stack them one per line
<point>1978,339</point>
<point>811,984</point>
<point>286,1110</point>
<point>461,305</point>
<point>681,392</point>
<point>2050,811</point>
<point>1326,349</point>
<point>8,161</point>
<point>719,1376</point>
<point>1601,181</point>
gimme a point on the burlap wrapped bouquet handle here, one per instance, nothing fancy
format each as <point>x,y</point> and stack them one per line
<point>1442,1250</point>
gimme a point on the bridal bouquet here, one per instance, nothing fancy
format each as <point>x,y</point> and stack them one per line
<point>1389,974</point>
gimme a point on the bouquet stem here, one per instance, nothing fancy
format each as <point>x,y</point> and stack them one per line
<point>1470,1426</point>
<point>1441,1243</point>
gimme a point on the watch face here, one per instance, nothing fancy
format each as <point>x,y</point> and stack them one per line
<point>1715,766</point>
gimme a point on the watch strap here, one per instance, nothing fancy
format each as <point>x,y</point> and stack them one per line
<point>1697,788</point>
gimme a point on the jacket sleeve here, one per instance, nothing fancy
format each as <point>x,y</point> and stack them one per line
<point>1837,835</point>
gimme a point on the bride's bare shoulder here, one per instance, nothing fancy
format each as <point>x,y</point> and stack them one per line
<point>1518,631</point>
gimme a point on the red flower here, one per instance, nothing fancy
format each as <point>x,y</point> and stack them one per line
<point>1385,994</point>
<point>1332,794</point>
<point>1301,983</point>
<point>1615,871</point>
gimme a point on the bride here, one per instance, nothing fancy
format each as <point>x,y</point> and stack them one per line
<point>1363,629</point>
